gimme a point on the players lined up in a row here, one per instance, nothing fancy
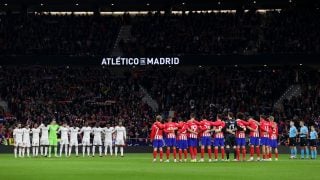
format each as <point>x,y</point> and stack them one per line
<point>68,137</point>
<point>227,135</point>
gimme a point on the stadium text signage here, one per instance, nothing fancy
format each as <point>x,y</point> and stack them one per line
<point>125,61</point>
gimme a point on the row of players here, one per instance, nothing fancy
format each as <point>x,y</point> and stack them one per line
<point>228,135</point>
<point>49,139</point>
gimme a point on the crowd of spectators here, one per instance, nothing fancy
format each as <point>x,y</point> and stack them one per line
<point>287,31</point>
<point>38,94</point>
<point>58,34</point>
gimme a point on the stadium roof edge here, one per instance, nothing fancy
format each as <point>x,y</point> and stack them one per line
<point>148,5</point>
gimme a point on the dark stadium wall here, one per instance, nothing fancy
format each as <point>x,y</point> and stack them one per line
<point>289,59</point>
<point>139,149</point>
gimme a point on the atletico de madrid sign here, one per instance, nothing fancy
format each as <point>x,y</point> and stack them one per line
<point>141,61</point>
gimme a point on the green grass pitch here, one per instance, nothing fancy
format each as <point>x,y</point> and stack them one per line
<point>140,166</point>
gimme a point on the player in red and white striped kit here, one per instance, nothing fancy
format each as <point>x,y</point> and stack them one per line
<point>193,130</point>
<point>273,134</point>
<point>156,138</point>
<point>218,137</point>
<point>253,126</point>
<point>264,136</point>
<point>205,128</point>
<point>182,140</point>
<point>170,139</point>
<point>241,136</point>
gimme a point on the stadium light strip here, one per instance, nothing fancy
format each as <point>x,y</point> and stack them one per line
<point>262,11</point>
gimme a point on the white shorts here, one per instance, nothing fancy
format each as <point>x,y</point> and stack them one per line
<point>35,142</point>
<point>108,143</point>
<point>44,142</point>
<point>97,142</point>
<point>26,144</point>
<point>64,142</point>
<point>73,142</point>
<point>18,142</point>
<point>86,142</point>
<point>120,142</point>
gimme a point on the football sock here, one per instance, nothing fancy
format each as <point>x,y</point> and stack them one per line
<point>215,153</point>
<point>227,152</point>
<point>121,151</point>
<point>191,152</point>
<point>307,153</point>
<point>180,154</point>
<point>210,153</point>
<point>154,154</point>
<point>222,152</point>
<point>161,154</point>
<point>202,153</point>
<point>168,153</point>
<point>258,151</point>
<point>185,154</point>
<point>251,151</point>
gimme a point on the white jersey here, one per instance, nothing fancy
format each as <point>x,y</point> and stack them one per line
<point>120,135</point>
<point>74,136</point>
<point>86,136</point>
<point>64,132</point>
<point>35,136</point>
<point>17,135</point>
<point>64,135</point>
<point>26,137</point>
<point>44,132</point>
<point>97,132</point>
<point>108,134</point>
<point>86,132</point>
<point>74,133</point>
<point>97,135</point>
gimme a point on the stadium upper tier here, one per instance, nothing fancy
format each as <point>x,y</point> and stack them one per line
<point>285,32</point>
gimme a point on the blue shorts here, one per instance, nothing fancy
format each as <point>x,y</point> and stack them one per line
<point>254,141</point>
<point>273,143</point>
<point>170,142</point>
<point>193,142</point>
<point>157,143</point>
<point>218,142</point>
<point>265,141</point>
<point>241,141</point>
<point>206,141</point>
<point>182,144</point>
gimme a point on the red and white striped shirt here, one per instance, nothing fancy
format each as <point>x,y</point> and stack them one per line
<point>240,134</point>
<point>156,131</point>
<point>182,132</point>
<point>264,128</point>
<point>194,127</point>
<point>205,125</point>
<point>274,131</point>
<point>168,128</point>
<point>253,125</point>
<point>219,125</point>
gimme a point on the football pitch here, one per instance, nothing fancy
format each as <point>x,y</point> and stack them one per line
<point>140,166</point>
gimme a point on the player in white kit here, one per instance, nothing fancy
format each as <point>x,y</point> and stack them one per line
<point>97,139</point>
<point>108,131</point>
<point>74,131</point>
<point>121,135</point>
<point>35,139</point>
<point>64,140</point>
<point>44,140</point>
<point>18,145</point>
<point>26,140</point>
<point>86,130</point>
